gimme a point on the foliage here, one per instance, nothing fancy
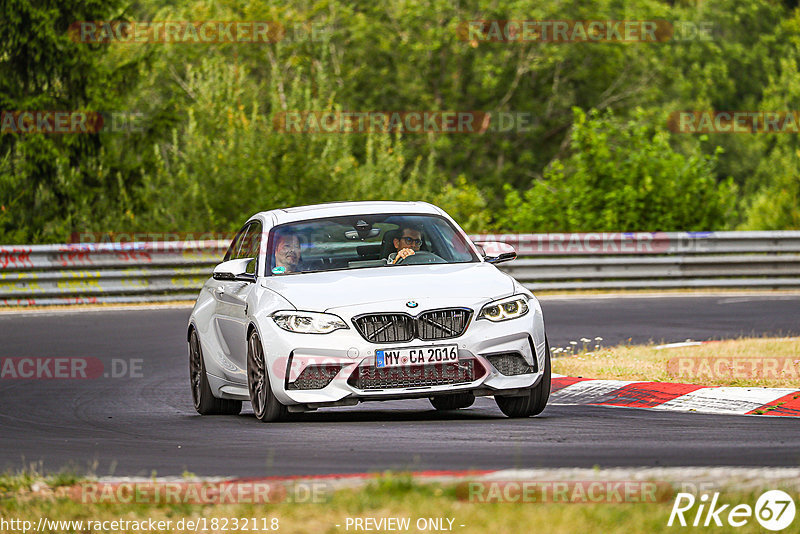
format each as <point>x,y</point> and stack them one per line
<point>48,181</point>
<point>597,154</point>
<point>229,162</point>
<point>775,204</point>
<point>622,175</point>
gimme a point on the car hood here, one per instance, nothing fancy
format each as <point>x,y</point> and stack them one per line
<point>335,289</point>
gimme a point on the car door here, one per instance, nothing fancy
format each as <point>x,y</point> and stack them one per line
<point>231,299</point>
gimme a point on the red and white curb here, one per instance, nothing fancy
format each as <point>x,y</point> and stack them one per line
<point>676,397</point>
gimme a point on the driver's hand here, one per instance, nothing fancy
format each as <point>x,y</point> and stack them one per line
<point>402,254</point>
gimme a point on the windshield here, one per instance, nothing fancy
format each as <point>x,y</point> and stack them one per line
<point>365,241</point>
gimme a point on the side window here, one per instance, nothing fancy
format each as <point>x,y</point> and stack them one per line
<point>452,247</point>
<point>251,245</point>
<point>231,254</point>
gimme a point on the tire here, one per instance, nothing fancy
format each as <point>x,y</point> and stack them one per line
<point>452,402</point>
<point>265,406</point>
<point>204,401</point>
<point>534,402</point>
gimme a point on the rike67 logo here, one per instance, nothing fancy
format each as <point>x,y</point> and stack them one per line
<point>774,510</point>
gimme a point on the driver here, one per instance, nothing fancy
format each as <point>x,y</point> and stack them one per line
<point>407,244</point>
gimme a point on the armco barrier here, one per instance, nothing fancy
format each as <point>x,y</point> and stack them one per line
<point>158,271</point>
<point>105,272</point>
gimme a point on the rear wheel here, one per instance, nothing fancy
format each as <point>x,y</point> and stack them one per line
<point>204,401</point>
<point>265,406</point>
<point>535,400</point>
<point>453,402</point>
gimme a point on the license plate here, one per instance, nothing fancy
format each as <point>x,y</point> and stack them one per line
<point>416,356</point>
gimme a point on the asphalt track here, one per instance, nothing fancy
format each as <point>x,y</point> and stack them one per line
<point>146,424</point>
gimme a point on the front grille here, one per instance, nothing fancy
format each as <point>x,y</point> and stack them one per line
<point>388,327</point>
<point>369,377</point>
<point>431,325</point>
<point>315,377</point>
<point>511,364</point>
<point>442,324</point>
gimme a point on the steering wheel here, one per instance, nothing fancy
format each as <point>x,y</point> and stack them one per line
<point>420,257</point>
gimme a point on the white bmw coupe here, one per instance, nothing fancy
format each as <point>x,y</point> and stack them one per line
<point>336,304</point>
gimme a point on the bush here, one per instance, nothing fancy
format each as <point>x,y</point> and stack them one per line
<point>621,175</point>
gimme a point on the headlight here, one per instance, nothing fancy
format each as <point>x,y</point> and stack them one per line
<point>503,310</point>
<point>304,322</point>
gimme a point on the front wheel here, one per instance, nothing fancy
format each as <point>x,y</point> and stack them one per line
<point>535,400</point>
<point>204,401</point>
<point>265,406</point>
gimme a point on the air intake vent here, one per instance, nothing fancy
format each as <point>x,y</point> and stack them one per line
<point>511,364</point>
<point>369,377</point>
<point>429,326</point>
<point>315,377</point>
<point>443,324</point>
<point>383,328</point>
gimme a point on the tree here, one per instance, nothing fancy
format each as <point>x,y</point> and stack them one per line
<point>49,183</point>
<point>622,175</point>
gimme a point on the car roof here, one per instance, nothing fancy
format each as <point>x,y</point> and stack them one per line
<point>333,209</point>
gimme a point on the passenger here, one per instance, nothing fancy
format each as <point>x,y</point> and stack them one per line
<point>287,253</point>
<point>407,244</point>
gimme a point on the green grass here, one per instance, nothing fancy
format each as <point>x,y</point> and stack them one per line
<point>646,363</point>
<point>390,495</point>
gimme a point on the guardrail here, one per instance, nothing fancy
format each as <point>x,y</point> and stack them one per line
<point>87,273</point>
<point>159,271</point>
<point>658,260</point>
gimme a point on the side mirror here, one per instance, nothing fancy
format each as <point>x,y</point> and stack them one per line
<point>234,270</point>
<point>496,251</point>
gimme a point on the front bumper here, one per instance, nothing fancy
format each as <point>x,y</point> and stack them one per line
<point>300,363</point>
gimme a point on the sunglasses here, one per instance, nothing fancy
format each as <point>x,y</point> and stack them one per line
<point>411,241</point>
